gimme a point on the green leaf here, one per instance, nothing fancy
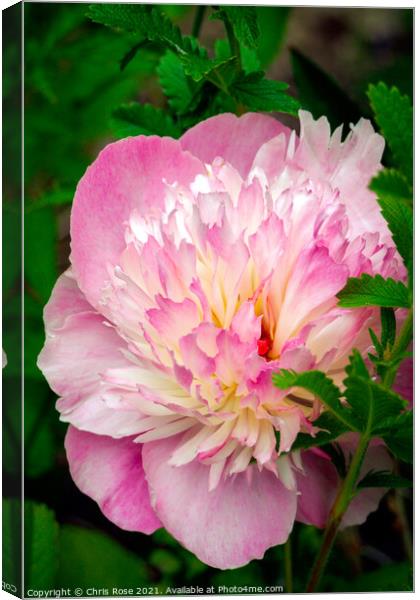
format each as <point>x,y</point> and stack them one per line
<point>373,291</point>
<point>383,479</point>
<point>41,540</point>
<point>394,115</point>
<point>399,217</point>
<point>215,70</point>
<point>249,57</point>
<point>398,436</point>
<point>392,577</point>
<point>375,341</point>
<point>146,21</point>
<point>244,22</point>
<point>143,119</point>
<point>12,542</point>
<point>391,184</point>
<point>90,558</point>
<point>320,94</point>
<point>373,404</point>
<point>258,93</point>
<point>272,21</point>
<point>321,386</point>
<point>389,327</point>
<point>182,92</point>
<point>151,24</point>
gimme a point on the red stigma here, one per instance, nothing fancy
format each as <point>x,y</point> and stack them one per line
<point>263,346</point>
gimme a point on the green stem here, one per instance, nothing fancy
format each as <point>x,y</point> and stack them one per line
<point>288,566</point>
<point>198,20</point>
<point>342,501</point>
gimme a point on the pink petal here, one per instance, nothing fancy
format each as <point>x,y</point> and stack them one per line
<point>403,384</point>
<point>227,527</point>
<point>315,280</point>
<point>66,299</point>
<point>128,174</point>
<point>246,325</point>
<point>111,472</point>
<point>319,484</point>
<point>172,320</point>
<point>378,459</point>
<point>348,166</point>
<point>236,139</point>
<point>79,345</point>
<point>197,361</point>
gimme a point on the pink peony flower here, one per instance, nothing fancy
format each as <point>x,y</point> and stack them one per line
<point>199,267</point>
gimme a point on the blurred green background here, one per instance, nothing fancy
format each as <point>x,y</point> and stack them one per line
<point>73,82</point>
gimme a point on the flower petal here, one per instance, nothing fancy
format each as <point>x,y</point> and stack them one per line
<point>79,344</point>
<point>132,173</point>
<point>236,139</point>
<point>319,483</point>
<point>226,527</point>
<point>111,472</point>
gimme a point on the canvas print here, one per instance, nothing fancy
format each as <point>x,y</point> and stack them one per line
<point>217,327</point>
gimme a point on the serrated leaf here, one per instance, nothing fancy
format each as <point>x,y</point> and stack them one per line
<point>399,217</point>
<point>249,57</point>
<point>144,20</point>
<point>151,24</point>
<point>398,436</point>
<point>321,386</point>
<point>244,22</point>
<point>201,67</point>
<point>389,327</point>
<point>373,403</point>
<point>258,93</point>
<point>383,479</point>
<point>320,94</point>
<point>394,115</point>
<point>373,291</point>
<point>143,119</point>
<point>391,184</point>
<point>357,366</point>
<point>41,540</point>
<point>375,341</point>
<point>182,92</point>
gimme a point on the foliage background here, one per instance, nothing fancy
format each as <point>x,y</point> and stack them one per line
<point>73,83</point>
